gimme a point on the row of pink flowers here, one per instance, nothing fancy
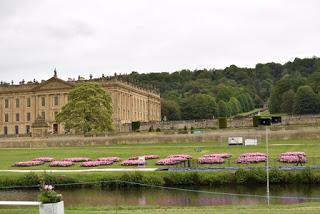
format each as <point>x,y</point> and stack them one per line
<point>253,157</point>
<point>221,155</point>
<point>147,157</point>
<point>28,163</point>
<point>61,163</point>
<point>132,162</point>
<point>180,156</point>
<point>113,159</point>
<point>44,159</point>
<point>173,159</point>
<point>293,154</point>
<point>211,160</point>
<point>95,163</point>
<point>293,157</point>
<point>77,159</point>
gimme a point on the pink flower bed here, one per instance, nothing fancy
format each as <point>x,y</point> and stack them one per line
<point>211,160</point>
<point>61,163</point>
<point>44,159</point>
<point>293,157</point>
<point>28,163</point>
<point>221,155</point>
<point>147,157</point>
<point>95,163</point>
<point>171,161</point>
<point>77,159</point>
<point>254,157</point>
<point>132,162</point>
<point>113,159</point>
<point>180,156</point>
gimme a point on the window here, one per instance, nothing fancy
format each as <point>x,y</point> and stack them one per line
<point>6,118</point>
<point>27,129</point>
<point>17,103</point>
<point>28,102</point>
<point>6,103</point>
<point>43,115</point>
<point>28,116</point>
<point>5,130</point>
<point>43,101</point>
<point>17,117</point>
<point>16,128</point>
<point>56,100</point>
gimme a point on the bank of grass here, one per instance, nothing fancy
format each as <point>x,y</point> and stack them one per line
<point>160,179</point>
<point>305,208</point>
<point>8,156</point>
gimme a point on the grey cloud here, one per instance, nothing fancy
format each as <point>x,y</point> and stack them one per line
<point>80,37</point>
<point>69,30</point>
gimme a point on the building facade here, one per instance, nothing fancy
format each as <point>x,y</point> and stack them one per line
<point>21,105</point>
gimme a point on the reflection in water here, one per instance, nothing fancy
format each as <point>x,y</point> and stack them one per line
<point>152,196</point>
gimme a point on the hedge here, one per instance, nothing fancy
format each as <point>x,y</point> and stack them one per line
<point>165,178</point>
<point>223,123</point>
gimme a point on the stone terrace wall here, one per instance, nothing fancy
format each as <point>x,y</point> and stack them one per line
<point>306,120</point>
<point>150,138</point>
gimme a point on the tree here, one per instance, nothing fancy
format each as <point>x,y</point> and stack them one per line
<point>224,93</point>
<point>306,101</point>
<point>246,102</point>
<point>287,102</point>
<point>198,106</point>
<point>234,105</point>
<point>89,110</point>
<point>170,109</point>
<point>222,109</point>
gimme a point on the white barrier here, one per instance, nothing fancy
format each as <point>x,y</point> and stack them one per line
<point>54,208</point>
<point>20,203</point>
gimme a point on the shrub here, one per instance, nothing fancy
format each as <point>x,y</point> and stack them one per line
<point>306,176</point>
<point>30,179</point>
<point>151,129</point>
<point>255,121</point>
<point>241,176</point>
<point>276,176</point>
<point>158,130</point>
<point>223,123</point>
<point>48,195</point>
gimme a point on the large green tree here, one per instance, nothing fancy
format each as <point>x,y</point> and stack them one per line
<point>89,110</point>
<point>306,101</point>
<point>198,106</point>
<point>223,110</point>
<point>170,109</point>
<point>287,102</point>
<point>234,106</point>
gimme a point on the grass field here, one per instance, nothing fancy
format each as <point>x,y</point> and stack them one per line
<point>308,208</point>
<point>9,156</point>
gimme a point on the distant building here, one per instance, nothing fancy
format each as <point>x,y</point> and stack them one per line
<point>21,105</point>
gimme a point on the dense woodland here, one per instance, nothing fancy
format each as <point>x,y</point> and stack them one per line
<point>291,88</point>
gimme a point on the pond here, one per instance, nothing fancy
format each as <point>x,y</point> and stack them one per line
<point>134,196</point>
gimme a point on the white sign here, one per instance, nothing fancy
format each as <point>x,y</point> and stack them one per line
<point>235,140</point>
<point>250,142</point>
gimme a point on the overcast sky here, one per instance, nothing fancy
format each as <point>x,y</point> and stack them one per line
<point>83,37</point>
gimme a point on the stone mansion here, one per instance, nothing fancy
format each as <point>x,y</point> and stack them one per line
<point>21,105</point>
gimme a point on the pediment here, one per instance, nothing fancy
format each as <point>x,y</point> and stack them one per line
<point>53,84</point>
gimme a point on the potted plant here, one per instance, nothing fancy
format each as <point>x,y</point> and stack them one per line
<point>51,201</point>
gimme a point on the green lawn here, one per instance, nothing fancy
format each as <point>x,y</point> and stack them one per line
<point>308,208</point>
<point>9,156</point>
